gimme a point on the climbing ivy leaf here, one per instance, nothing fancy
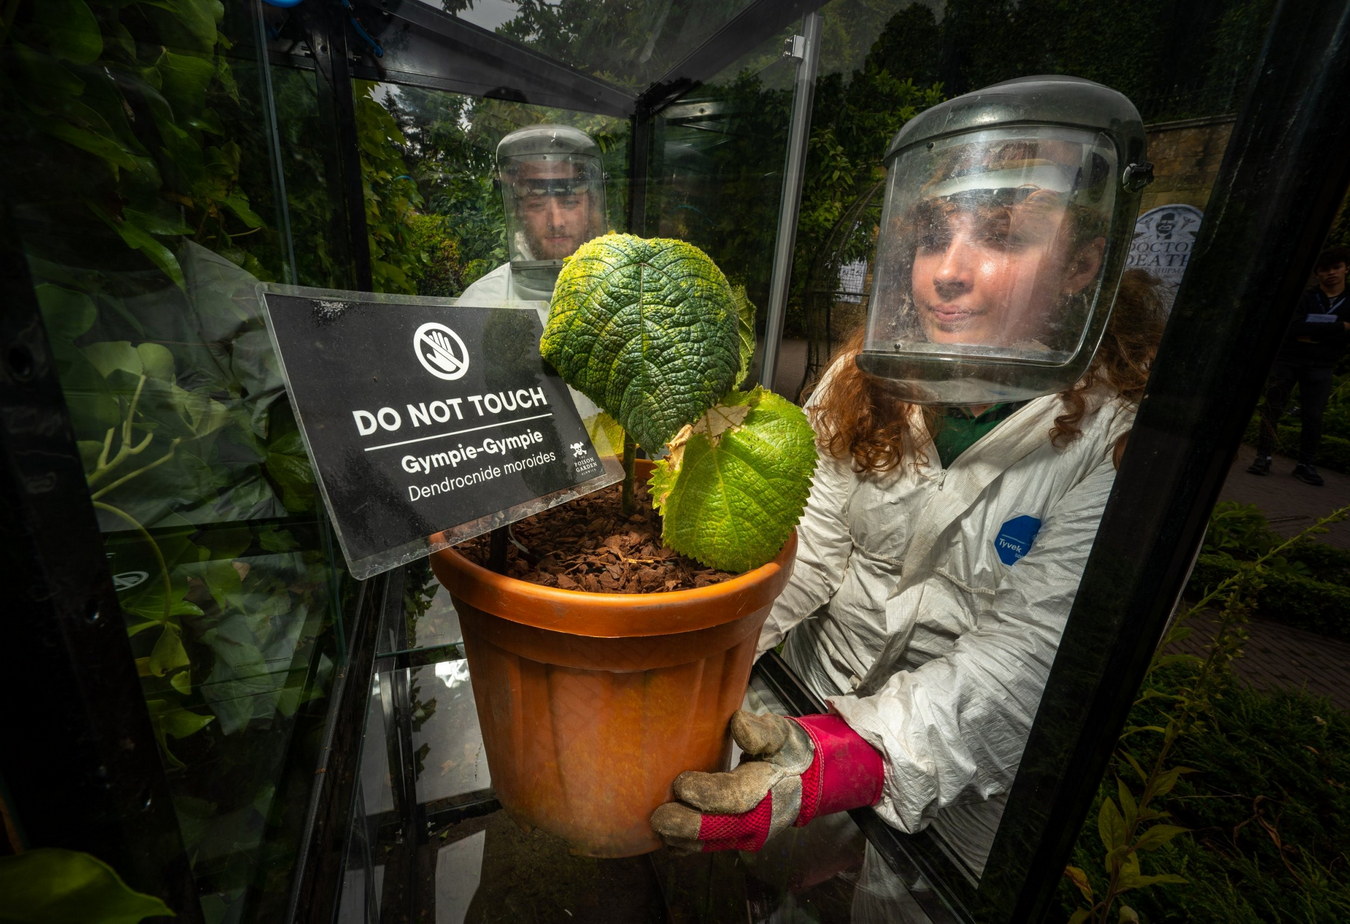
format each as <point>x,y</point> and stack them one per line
<point>736,481</point>
<point>645,328</point>
<point>71,30</point>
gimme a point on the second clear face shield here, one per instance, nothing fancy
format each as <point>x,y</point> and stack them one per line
<point>552,192</point>
<point>994,272</point>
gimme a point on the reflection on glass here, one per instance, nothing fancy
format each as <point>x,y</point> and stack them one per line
<point>144,198</point>
<point>454,230</point>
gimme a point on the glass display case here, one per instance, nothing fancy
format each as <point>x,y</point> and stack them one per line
<point>210,703</point>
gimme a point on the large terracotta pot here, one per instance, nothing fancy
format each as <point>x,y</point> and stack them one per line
<point>591,704</point>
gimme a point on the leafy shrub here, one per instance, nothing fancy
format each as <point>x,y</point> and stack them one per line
<point>1232,797</point>
<point>1307,585</point>
<point>1265,805</point>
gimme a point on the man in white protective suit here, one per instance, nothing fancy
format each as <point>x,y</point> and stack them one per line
<point>553,196</point>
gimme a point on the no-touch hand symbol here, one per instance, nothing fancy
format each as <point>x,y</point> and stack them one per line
<point>440,351</point>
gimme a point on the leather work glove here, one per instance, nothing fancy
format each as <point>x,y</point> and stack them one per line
<point>794,770</point>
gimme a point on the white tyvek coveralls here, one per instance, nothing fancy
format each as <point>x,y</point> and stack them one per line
<point>499,287</point>
<point>932,648</point>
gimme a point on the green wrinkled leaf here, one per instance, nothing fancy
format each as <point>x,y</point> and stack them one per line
<point>735,482</point>
<point>201,414</point>
<point>239,205</point>
<point>57,886</point>
<point>745,313</point>
<point>645,328</point>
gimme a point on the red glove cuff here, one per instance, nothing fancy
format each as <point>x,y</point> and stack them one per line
<point>846,772</point>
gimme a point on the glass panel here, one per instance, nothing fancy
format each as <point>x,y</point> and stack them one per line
<point>488,868</point>
<point>903,57</point>
<point>144,193</point>
<point>630,44</point>
<point>717,176</point>
<point>449,229</point>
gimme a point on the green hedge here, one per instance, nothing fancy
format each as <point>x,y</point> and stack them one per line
<point>1307,585</point>
<point>1333,454</point>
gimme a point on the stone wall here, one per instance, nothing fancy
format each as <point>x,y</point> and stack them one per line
<point>1186,157</point>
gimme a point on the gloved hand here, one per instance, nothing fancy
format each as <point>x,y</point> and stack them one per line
<point>797,769</point>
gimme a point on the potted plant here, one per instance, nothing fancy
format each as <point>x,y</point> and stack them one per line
<point>591,703</point>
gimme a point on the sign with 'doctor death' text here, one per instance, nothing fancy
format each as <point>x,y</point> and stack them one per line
<point>427,421</point>
<point>1163,238</point>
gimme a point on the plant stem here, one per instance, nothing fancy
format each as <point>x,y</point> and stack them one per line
<point>140,471</point>
<point>104,466</point>
<point>629,473</point>
<point>154,547</point>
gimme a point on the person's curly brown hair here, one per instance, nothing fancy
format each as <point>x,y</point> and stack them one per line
<point>859,417</point>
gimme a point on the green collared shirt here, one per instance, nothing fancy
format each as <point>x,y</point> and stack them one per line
<point>959,429</point>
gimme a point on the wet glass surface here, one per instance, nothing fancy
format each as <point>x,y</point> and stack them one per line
<point>465,859</point>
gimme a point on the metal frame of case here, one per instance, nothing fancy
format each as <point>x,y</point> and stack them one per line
<point>86,774</point>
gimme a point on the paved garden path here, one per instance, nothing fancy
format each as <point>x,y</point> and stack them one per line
<point>1279,657</point>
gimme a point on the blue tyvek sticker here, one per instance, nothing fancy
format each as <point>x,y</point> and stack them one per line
<point>1015,537</point>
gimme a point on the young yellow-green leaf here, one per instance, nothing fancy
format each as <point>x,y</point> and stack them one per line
<point>58,886</point>
<point>1080,879</point>
<point>1136,880</point>
<point>1111,826</point>
<point>645,328</point>
<point>1129,809</point>
<point>1158,835</point>
<point>736,481</point>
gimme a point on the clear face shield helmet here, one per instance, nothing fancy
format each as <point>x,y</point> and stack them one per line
<point>1006,219</point>
<point>553,194</point>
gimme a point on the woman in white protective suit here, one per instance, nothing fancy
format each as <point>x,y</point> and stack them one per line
<point>969,438</point>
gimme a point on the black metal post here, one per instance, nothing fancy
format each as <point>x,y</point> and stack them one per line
<point>327,31</point>
<point>1283,175</point>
